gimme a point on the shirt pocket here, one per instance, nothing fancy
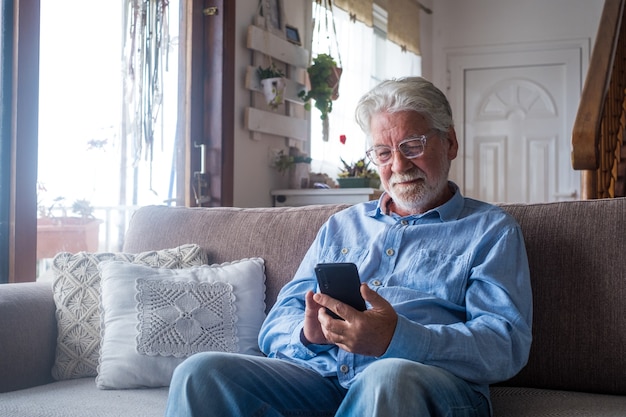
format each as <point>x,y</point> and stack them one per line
<point>344,254</point>
<point>439,274</point>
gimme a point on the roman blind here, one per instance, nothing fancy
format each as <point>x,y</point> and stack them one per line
<point>403,19</point>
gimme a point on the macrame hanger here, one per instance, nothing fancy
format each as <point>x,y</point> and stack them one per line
<point>324,9</point>
<point>332,17</point>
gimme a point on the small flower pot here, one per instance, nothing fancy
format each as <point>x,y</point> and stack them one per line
<point>333,81</point>
<point>353,182</point>
<point>274,90</point>
<point>299,176</point>
<point>66,234</point>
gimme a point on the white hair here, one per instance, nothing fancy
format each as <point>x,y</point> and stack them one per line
<point>405,94</point>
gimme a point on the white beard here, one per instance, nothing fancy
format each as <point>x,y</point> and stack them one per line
<point>420,195</point>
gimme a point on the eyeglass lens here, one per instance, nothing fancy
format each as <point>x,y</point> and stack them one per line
<point>410,149</point>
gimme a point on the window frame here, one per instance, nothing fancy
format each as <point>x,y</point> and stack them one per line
<point>20,56</point>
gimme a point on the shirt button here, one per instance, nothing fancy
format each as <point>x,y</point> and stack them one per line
<point>376,283</point>
<point>344,251</point>
<point>404,222</point>
<point>390,252</point>
<point>344,369</point>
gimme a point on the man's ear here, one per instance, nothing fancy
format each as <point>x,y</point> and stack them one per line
<point>454,144</point>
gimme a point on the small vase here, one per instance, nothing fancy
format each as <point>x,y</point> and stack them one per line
<point>299,176</point>
<point>274,90</point>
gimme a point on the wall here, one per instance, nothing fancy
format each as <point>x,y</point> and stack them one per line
<point>254,178</point>
<point>479,23</point>
<point>454,24</point>
<point>470,23</point>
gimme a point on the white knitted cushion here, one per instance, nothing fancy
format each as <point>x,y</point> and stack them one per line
<point>153,318</point>
<point>182,318</point>
<point>76,289</point>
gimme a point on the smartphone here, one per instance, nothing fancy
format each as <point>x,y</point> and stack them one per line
<point>341,281</point>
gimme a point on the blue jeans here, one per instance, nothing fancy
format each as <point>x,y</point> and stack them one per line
<point>226,384</point>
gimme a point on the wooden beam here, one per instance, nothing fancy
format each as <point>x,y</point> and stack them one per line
<point>270,44</point>
<point>275,124</point>
<point>586,130</point>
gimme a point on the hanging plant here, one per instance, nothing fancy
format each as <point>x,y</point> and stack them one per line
<point>324,75</point>
<point>146,45</point>
<point>324,72</point>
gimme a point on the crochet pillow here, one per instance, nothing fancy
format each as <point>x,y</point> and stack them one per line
<point>76,288</point>
<point>153,318</point>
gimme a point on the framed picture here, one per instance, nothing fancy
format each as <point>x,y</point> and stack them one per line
<point>292,35</point>
<point>274,16</point>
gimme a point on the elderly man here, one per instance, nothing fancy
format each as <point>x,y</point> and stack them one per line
<point>445,278</point>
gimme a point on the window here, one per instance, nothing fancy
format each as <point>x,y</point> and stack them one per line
<point>90,146</point>
<point>367,58</point>
<point>18,243</point>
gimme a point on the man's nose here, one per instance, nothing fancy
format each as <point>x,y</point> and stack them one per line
<point>400,163</point>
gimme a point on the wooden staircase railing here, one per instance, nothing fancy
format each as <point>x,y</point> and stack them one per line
<point>598,147</point>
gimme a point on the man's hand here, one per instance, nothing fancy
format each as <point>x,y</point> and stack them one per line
<point>312,328</point>
<point>365,333</point>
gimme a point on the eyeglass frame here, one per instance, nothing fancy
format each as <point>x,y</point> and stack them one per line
<point>422,138</point>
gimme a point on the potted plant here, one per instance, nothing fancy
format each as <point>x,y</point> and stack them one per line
<point>295,163</point>
<point>83,208</point>
<point>64,233</point>
<point>273,82</point>
<point>358,175</point>
<point>324,75</point>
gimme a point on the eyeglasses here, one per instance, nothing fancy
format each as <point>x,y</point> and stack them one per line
<point>410,148</point>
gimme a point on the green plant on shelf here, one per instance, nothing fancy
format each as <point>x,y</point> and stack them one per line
<point>284,161</point>
<point>358,169</point>
<point>269,72</point>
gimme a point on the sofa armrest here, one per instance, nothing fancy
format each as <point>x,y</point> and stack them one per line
<point>28,333</point>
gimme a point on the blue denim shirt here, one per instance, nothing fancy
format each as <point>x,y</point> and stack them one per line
<point>457,276</point>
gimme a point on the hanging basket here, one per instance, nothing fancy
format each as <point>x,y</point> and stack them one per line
<point>324,75</point>
<point>325,71</point>
<point>333,81</point>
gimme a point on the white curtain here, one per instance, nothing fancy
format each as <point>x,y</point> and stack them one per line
<point>366,59</point>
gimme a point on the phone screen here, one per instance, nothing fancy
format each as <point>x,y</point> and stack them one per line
<point>340,281</point>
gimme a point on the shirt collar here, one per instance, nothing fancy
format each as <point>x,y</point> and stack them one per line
<point>450,210</point>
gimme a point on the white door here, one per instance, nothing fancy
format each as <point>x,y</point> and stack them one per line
<point>514,112</point>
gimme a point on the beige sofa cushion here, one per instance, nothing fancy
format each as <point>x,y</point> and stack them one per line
<point>576,251</point>
<point>280,235</point>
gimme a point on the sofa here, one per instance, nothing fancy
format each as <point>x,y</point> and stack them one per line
<point>577,254</point>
